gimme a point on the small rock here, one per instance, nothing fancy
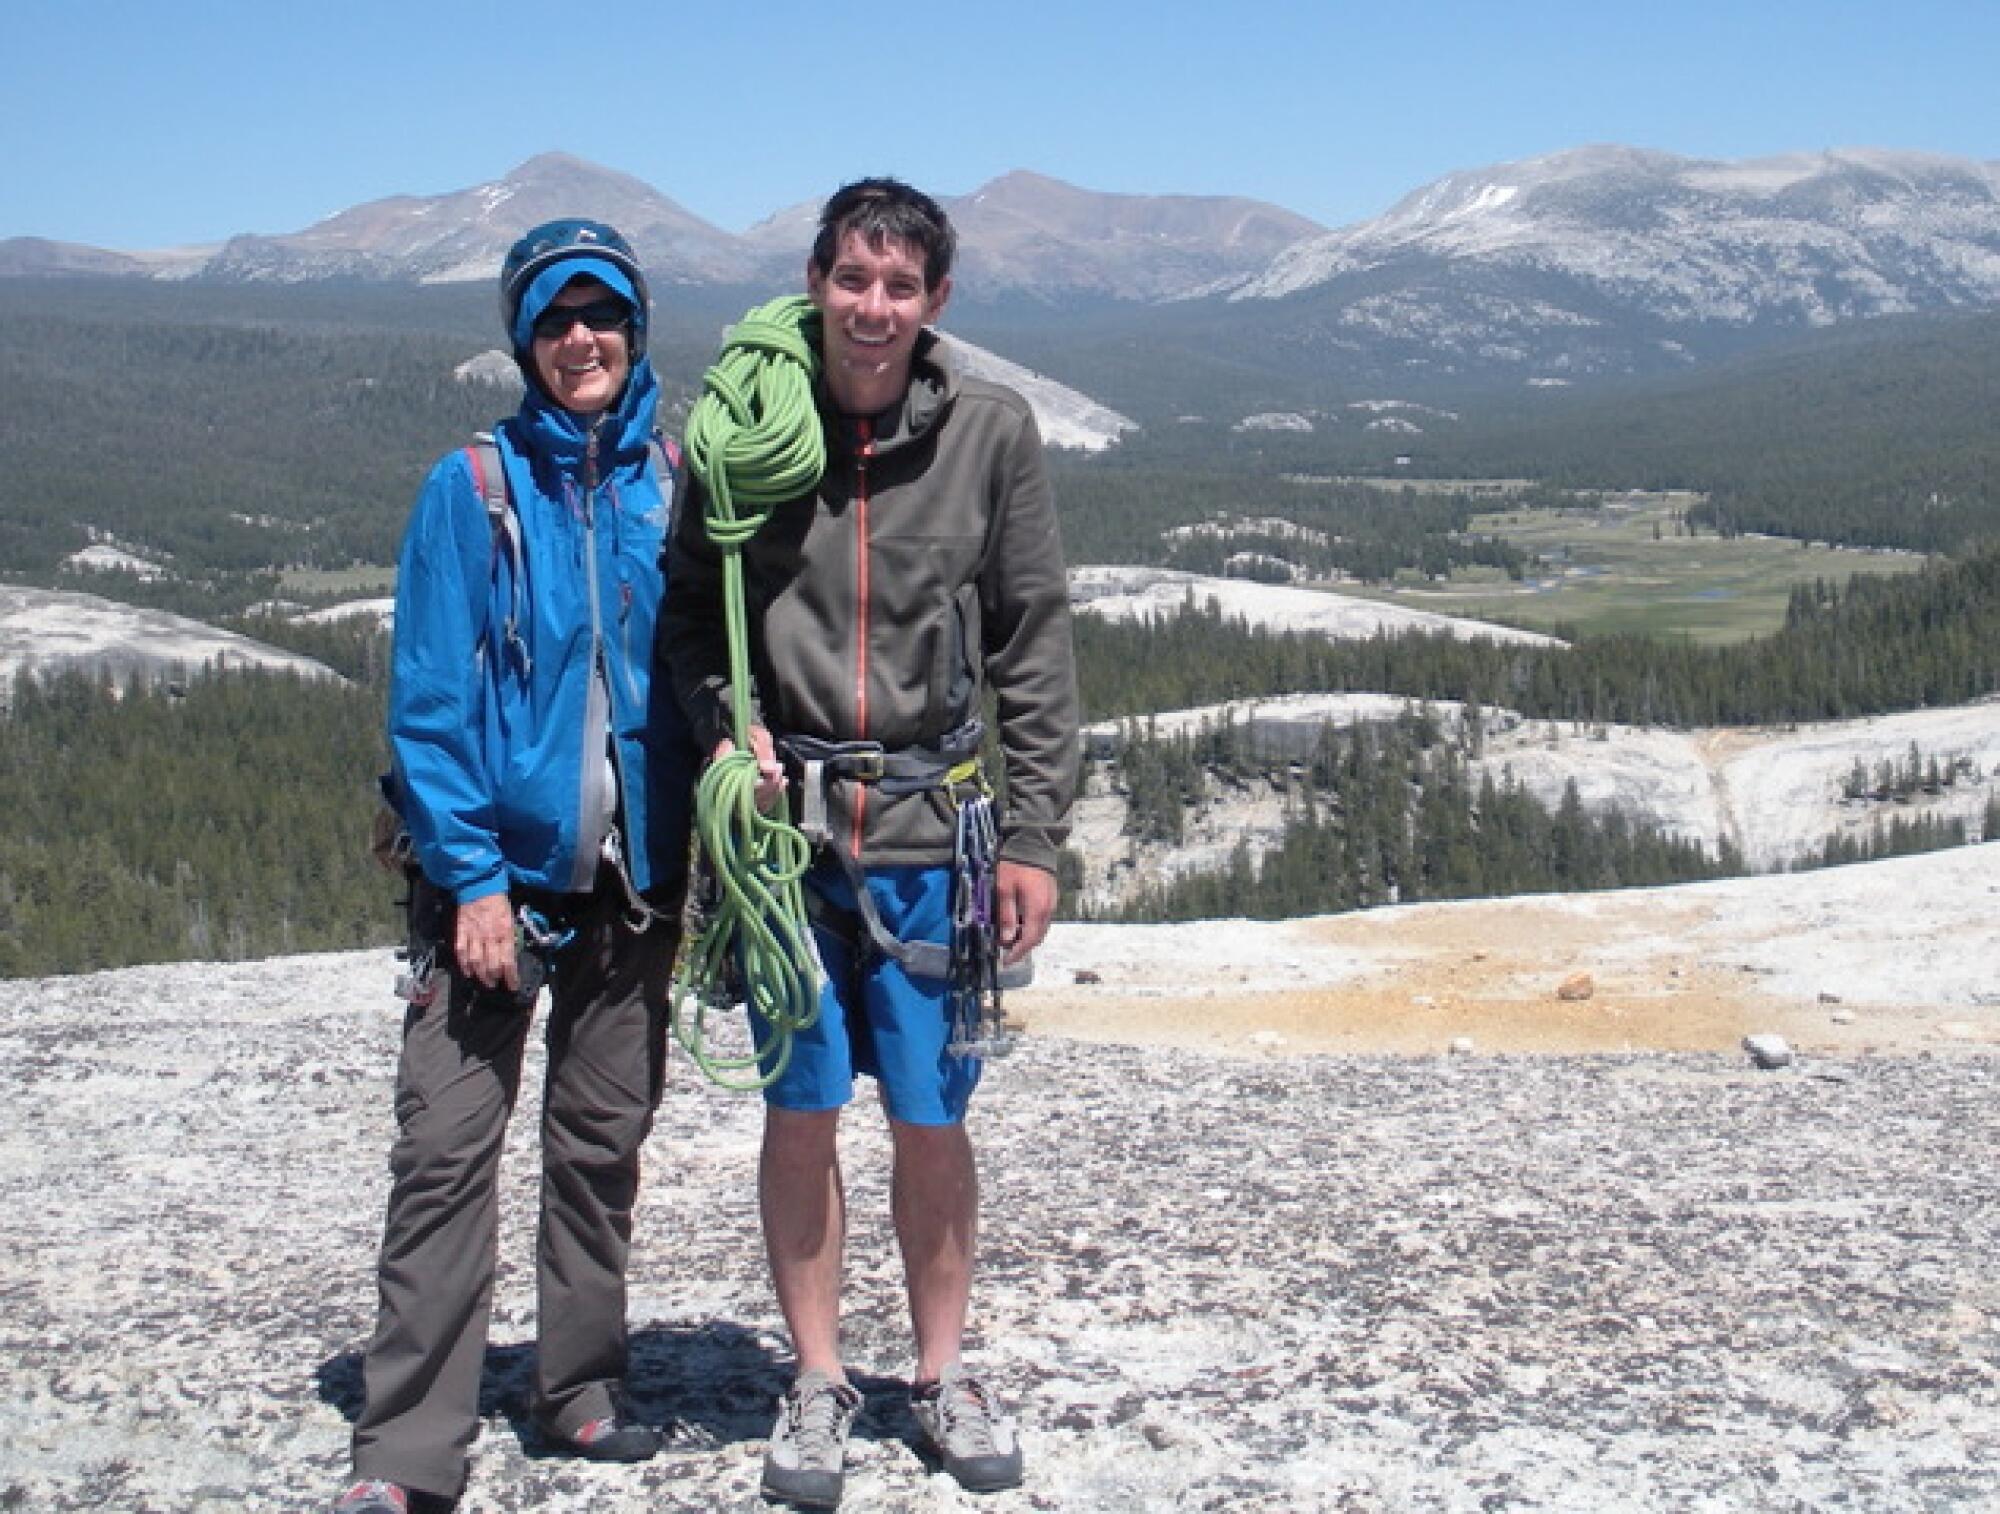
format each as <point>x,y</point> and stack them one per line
<point>1768,1051</point>
<point>1842,1017</point>
<point>1461,1046</point>
<point>1086,975</point>
<point>1159,1437</point>
<point>1576,987</point>
<point>1827,998</point>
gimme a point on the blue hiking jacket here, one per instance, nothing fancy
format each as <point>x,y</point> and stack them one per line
<point>509,668</point>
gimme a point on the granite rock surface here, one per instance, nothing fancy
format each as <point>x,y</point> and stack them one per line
<point>1359,1283</point>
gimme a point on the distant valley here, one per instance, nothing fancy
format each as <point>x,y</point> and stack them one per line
<point>1643,410</point>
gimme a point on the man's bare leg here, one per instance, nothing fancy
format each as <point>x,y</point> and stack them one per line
<point>934,1195</point>
<point>805,1224</point>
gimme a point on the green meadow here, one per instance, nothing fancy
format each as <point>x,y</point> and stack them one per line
<point>1630,564</point>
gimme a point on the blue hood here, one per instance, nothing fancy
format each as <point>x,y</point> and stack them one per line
<point>553,431</point>
<point>551,281</point>
<point>623,432</point>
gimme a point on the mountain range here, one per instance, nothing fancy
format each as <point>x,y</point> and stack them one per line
<point>1599,259</point>
<point>1602,257</point>
<point>1022,233</point>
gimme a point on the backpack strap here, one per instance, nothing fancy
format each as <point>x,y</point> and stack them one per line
<point>489,477</point>
<point>668,470</point>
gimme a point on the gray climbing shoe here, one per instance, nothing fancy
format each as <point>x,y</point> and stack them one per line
<point>962,1420</point>
<point>809,1442</point>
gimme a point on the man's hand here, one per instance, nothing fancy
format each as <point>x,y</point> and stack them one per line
<point>1025,901</point>
<point>770,773</point>
<point>483,942</point>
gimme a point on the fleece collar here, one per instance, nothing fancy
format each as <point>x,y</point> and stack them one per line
<point>933,386</point>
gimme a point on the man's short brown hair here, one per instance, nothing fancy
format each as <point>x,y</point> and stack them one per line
<point>882,208</point>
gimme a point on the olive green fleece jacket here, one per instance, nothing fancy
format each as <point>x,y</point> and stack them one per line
<point>925,569</point>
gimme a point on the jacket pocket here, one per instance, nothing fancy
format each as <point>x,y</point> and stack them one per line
<point>924,633</point>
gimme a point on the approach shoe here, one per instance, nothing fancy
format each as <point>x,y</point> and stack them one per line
<point>808,1450</point>
<point>961,1419</point>
<point>612,1437</point>
<point>373,1497</point>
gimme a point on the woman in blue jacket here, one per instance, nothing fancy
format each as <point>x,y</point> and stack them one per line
<point>545,792</point>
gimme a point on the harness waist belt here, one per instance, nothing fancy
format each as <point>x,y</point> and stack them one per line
<point>910,770</point>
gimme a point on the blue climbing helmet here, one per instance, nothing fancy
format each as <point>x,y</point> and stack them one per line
<point>553,253</point>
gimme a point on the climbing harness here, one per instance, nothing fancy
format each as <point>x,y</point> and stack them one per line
<point>537,940</point>
<point>754,442</point>
<point>969,963</point>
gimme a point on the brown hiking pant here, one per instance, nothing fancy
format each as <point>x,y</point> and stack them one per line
<point>455,1088</point>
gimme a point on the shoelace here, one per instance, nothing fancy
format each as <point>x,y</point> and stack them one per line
<point>965,1407</point>
<point>815,1419</point>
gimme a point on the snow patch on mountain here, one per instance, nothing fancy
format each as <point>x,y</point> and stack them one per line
<point>462,236</point>
<point>1142,593</point>
<point>1066,418</point>
<point>491,367</point>
<point>1025,233</point>
<point>1776,794</point>
<point>1810,237</point>
<point>1274,420</point>
<point>46,631</point>
<point>102,557</point>
<point>381,611</point>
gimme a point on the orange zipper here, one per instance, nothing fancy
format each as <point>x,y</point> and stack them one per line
<point>867,451</point>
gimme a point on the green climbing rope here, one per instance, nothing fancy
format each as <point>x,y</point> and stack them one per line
<point>754,442</point>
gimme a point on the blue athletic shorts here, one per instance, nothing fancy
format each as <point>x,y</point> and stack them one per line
<point>882,1021</point>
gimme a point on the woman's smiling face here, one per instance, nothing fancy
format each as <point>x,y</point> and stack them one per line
<point>583,347</point>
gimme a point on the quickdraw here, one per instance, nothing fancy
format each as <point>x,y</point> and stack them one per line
<point>978,1025</point>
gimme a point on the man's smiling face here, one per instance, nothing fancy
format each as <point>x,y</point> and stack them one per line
<point>873,303</point>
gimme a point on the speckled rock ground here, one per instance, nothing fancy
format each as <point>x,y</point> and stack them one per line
<point>1631,1281</point>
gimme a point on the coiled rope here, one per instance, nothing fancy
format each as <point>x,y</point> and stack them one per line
<point>754,442</point>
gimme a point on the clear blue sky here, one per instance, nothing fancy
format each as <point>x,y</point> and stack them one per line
<point>147,123</point>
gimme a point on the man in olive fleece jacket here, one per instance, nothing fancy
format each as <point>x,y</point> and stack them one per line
<point>925,570</point>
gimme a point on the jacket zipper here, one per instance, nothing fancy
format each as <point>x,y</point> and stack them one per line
<point>597,703</point>
<point>861,457</point>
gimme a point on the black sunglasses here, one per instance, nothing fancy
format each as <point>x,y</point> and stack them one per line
<point>599,315</point>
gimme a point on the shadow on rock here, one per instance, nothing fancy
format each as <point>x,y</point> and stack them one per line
<point>706,1386</point>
